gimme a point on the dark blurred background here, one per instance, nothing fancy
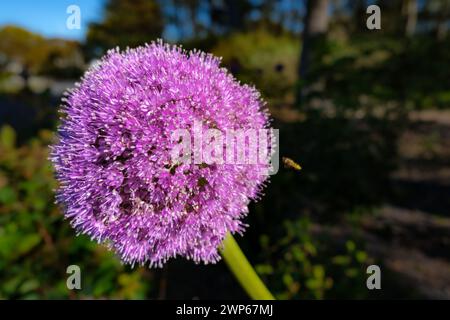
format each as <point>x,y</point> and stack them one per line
<point>365,112</point>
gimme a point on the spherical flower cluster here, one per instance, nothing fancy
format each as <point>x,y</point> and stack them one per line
<point>112,156</point>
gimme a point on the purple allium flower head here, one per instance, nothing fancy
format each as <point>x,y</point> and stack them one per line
<point>112,157</point>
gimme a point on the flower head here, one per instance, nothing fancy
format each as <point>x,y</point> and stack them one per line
<point>118,183</point>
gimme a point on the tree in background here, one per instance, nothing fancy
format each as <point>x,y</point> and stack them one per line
<point>315,28</point>
<point>126,23</point>
<point>230,14</point>
<point>22,46</point>
<point>438,11</point>
<point>38,55</point>
<point>410,10</point>
<point>194,20</point>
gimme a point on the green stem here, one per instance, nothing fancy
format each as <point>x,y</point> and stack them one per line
<point>243,271</point>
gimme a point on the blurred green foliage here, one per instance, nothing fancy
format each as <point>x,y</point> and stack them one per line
<point>381,71</point>
<point>264,59</point>
<point>37,245</point>
<point>126,23</point>
<point>353,74</point>
<point>301,265</point>
<point>38,55</point>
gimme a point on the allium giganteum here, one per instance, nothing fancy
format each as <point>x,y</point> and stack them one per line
<point>113,162</point>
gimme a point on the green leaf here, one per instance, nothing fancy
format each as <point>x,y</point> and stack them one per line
<point>351,273</point>
<point>27,244</point>
<point>7,195</point>
<point>7,137</point>
<point>28,286</point>
<point>10,285</point>
<point>361,256</point>
<point>319,271</point>
<point>287,279</point>
<point>350,245</point>
<point>341,260</point>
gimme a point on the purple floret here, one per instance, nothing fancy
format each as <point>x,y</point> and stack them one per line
<point>113,162</point>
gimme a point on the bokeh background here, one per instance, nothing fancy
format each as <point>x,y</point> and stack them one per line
<point>365,112</point>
